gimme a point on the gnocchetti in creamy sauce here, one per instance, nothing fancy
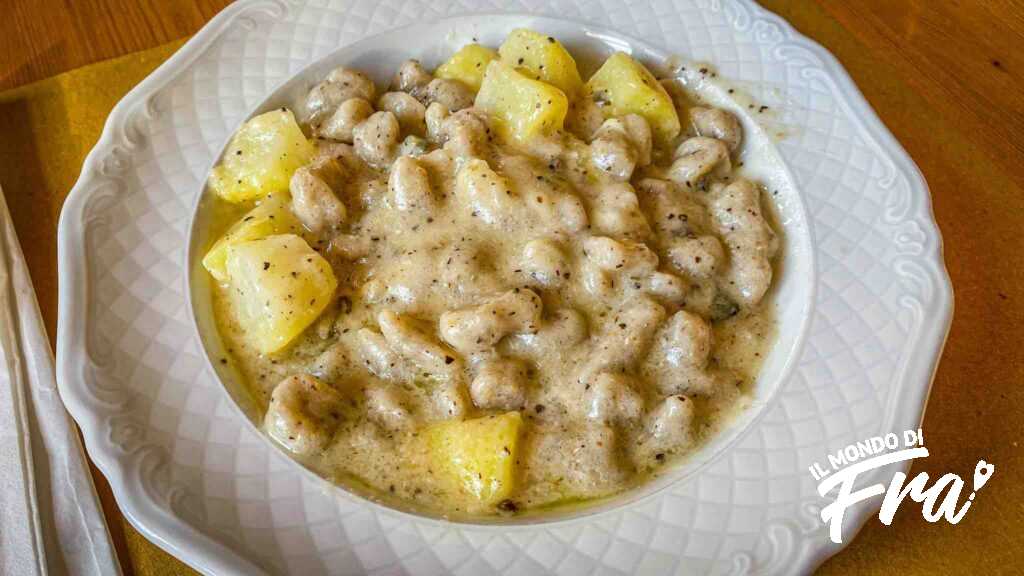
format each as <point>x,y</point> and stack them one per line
<point>495,288</point>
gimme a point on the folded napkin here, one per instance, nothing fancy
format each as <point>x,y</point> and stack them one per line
<point>50,517</point>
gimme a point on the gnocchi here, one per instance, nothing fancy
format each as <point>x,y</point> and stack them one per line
<point>496,286</point>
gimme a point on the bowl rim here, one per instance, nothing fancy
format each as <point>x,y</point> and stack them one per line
<point>710,451</point>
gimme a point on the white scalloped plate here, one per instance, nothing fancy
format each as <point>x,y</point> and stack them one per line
<point>195,476</point>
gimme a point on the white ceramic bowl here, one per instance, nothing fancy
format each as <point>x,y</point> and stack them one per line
<point>432,42</point>
<point>201,482</point>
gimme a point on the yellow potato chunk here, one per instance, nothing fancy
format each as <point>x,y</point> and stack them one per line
<point>272,216</point>
<point>624,86</point>
<point>542,58</point>
<point>261,157</point>
<point>467,65</point>
<point>521,107</point>
<point>278,286</point>
<point>478,456</point>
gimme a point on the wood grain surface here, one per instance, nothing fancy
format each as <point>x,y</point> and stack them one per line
<point>40,38</point>
<point>944,75</point>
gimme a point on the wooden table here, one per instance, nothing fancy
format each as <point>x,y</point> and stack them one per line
<point>944,75</point>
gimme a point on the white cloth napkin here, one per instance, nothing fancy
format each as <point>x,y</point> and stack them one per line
<point>50,517</point>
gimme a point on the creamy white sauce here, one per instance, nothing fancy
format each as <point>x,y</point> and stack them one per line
<point>450,258</point>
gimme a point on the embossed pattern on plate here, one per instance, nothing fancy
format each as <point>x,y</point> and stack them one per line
<point>196,479</point>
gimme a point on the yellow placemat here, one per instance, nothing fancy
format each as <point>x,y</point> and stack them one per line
<point>48,128</point>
